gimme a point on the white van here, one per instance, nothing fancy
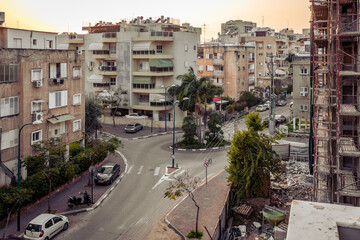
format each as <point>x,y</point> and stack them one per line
<point>291,106</point>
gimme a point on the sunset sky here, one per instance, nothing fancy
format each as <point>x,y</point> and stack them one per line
<point>69,15</point>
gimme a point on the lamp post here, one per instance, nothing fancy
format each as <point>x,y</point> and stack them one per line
<point>165,88</point>
<point>173,145</point>
<point>19,175</point>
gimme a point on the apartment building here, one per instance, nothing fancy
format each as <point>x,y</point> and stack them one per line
<point>301,91</point>
<point>42,86</point>
<point>229,66</point>
<point>139,59</point>
<point>336,72</point>
<point>234,27</point>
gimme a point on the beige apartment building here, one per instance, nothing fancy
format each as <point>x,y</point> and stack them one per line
<point>42,85</point>
<point>230,66</point>
<point>140,59</point>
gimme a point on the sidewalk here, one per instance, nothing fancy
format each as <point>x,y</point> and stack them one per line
<point>59,201</point>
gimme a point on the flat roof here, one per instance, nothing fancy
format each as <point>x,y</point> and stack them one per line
<point>30,30</point>
<point>314,220</point>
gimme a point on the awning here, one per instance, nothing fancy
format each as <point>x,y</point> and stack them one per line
<point>37,101</point>
<point>59,119</point>
<point>141,46</point>
<point>157,97</point>
<point>161,63</point>
<point>279,72</point>
<point>141,80</point>
<point>215,99</point>
<point>95,78</point>
<point>96,46</point>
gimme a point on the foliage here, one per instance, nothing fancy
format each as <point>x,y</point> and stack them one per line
<point>92,115</point>
<point>189,129</point>
<point>254,121</point>
<point>289,89</point>
<point>248,98</point>
<point>278,90</point>
<point>193,234</point>
<point>251,161</point>
<point>230,109</point>
<point>184,183</point>
<point>215,135</point>
<point>289,58</point>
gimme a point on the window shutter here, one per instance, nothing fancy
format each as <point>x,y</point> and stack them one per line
<point>63,98</point>
<point>52,70</point>
<point>2,107</point>
<point>51,100</point>
<point>63,70</point>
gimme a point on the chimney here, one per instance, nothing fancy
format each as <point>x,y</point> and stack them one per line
<point>162,19</point>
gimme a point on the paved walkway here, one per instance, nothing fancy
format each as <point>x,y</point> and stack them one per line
<point>58,201</point>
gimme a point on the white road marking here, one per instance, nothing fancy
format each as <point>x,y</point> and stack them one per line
<point>140,169</point>
<point>157,171</point>
<point>179,173</point>
<point>130,168</point>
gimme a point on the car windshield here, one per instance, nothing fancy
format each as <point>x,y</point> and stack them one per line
<point>106,170</point>
<point>33,227</point>
<point>130,125</point>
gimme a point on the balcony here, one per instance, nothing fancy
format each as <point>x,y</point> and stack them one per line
<point>218,61</point>
<point>153,106</point>
<point>109,37</point>
<point>251,71</point>
<point>75,39</point>
<point>154,73</point>
<point>150,55</point>
<point>108,70</point>
<point>101,54</point>
<point>155,36</point>
<point>218,73</point>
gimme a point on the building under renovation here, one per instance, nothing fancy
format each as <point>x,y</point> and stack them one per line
<point>336,111</point>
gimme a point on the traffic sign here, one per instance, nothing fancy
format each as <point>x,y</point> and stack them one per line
<point>206,164</point>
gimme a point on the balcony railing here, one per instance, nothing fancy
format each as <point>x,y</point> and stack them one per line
<point>108,68</point>
<point>76,37</point>
<point>161,34</point>
<point>109,35</point>
<point>217,73</point>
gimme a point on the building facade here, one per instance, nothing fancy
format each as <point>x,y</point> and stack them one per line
<point>42,87</point>
<point>139,59</point>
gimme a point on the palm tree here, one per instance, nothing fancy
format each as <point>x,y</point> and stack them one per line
<point>198,90</point>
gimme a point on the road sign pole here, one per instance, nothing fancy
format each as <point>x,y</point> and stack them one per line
<point>206,174</point>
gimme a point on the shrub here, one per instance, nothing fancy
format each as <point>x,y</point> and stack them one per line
<point>194,234</point>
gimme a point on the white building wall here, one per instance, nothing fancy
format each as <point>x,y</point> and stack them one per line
<point>27,38</point>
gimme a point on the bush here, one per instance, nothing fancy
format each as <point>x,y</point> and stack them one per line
<point>193,234</point>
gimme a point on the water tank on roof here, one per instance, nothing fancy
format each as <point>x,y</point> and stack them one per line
<point>2,17</point>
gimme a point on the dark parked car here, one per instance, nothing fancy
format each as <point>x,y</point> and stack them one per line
<point>107,174</point>
<point>133,127</point>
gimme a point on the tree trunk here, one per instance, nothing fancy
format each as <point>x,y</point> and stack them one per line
<point>49,195</point>
<point>113,118</point>
<point>197,212</point>
<point>198,126</point>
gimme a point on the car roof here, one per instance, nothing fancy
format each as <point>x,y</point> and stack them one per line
<point>42,218</point>
<point>109,165</point>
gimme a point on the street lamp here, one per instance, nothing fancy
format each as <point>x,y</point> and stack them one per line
<point>19,171</point>
<point>173,145</point>
<point>165,88</point>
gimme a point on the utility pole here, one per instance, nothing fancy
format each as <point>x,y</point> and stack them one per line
<point>270,66</point>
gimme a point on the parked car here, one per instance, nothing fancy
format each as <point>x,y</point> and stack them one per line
<point>136,115</point>
<point>261,108</point>
<point>267,105</point>
<point>280,118</point>
<point>45,226</point>
<point>107,174</point>
<point>133,127</point>
<point>281,103</point>
<point>291,106</point>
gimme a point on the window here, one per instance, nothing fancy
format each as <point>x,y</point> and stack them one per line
<point>77,99</point>
<point>36,136</point>
<point>113,81</point>
<point>260,46</point>
<point>186,64</point>
<point>251,56</point>
<point>144,66</point>
<point>304,91</point>
<point>49,44</point>
<point>57,70</point>
<point>303,107</point>
<point>57,219</point>
<point>112,49</point>
<point>9,139</point>
<point>260,54</point>
<point>48,224</point>
<point>200,68</point>
<point>185,47</point>
<point>76,125</point>
<point>209,68</point>
<point>303,71</point>
<point>34,42</point>
<point>260,63</point>
<point>9,73</point>
<point>36,106</point>
<point>144,98</point>
<point>55,130</point>
<point>17,43</point>
<point>209,56</point>
<point>36,74</point>
<point>194,47</point>
<point>57,99</point>
<point>76,72</point>
<point>9,106</point>
<point>159,49</point>
<point>260,74</point>
<point>269,46</point>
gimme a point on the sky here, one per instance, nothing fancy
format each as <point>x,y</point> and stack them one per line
<point>69,15</point>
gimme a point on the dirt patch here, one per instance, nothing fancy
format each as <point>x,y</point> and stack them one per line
<point>162,232</point>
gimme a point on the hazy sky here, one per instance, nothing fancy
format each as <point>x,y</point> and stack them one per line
<point>69,15</point>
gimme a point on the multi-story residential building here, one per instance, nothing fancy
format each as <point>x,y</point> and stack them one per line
<point>336,71</point>
<point>234,27</point>
<point>37,85</point>
<point>301,91</point>
<point>140,59</point>
<point>230,66</point>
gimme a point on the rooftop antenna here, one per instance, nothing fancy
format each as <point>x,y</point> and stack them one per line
<point>204,28</point>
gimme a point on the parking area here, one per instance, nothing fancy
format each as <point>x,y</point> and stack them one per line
<point>119,131</point>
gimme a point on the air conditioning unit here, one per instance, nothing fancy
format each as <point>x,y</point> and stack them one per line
<point>38,117</point>
<point>37,83</point>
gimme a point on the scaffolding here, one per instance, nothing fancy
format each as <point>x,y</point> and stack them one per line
<point>336,75</point>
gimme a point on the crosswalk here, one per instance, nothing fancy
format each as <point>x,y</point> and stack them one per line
<point>132,169</point>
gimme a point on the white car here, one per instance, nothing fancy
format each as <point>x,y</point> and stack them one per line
<point>261,108</point>
<point>45,226</point>
<point>136,115</point>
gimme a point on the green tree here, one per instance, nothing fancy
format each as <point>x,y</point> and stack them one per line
<point>248,98</point>
<point>254,121</point>
<point>189,129</point>
<point>198,90</point>
<point>251,161</point>
<point>215,135</point>
<point>181,184</point>
<point>92,115</point>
